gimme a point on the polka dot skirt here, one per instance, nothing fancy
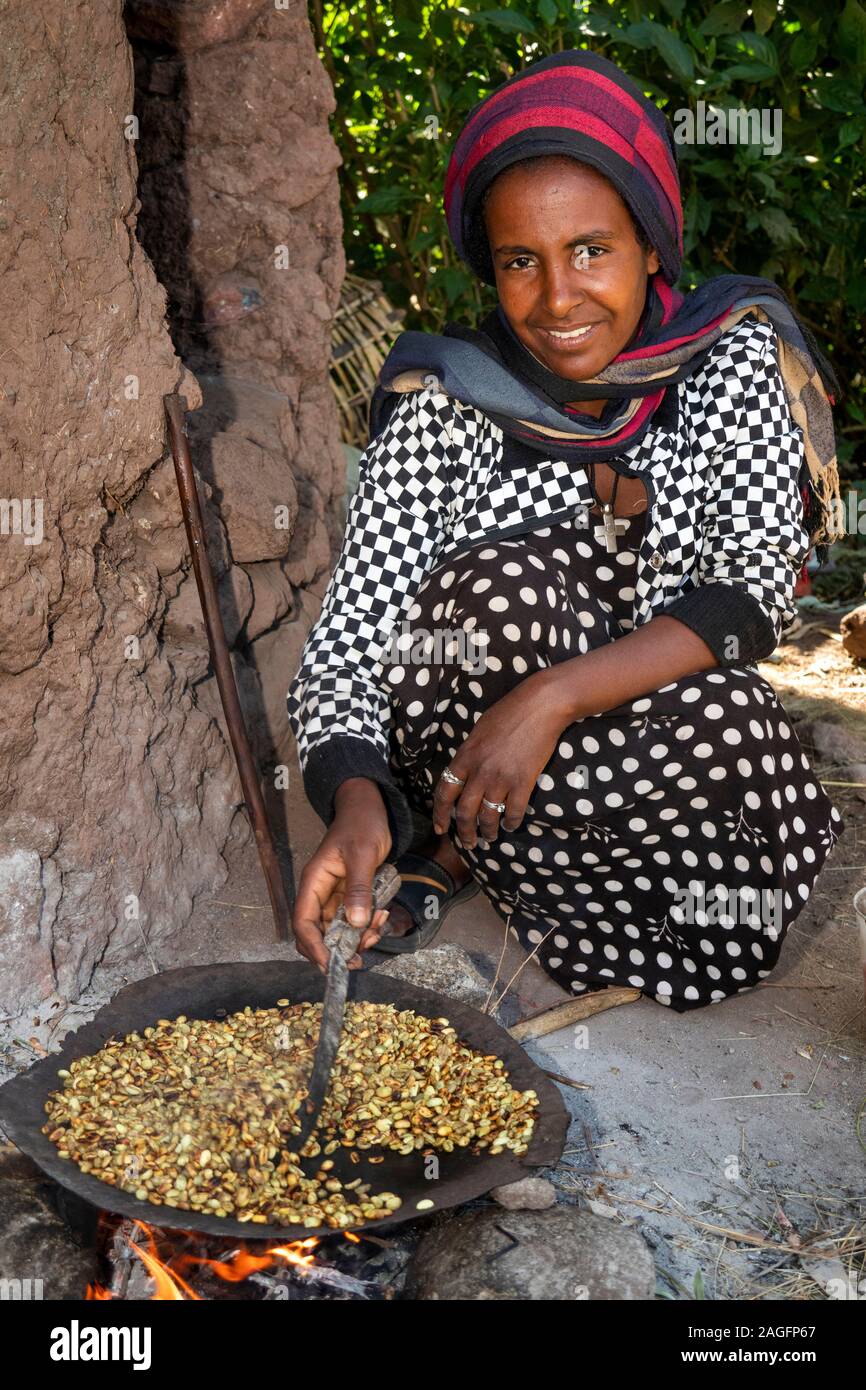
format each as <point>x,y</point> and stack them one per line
<point>669,843</point>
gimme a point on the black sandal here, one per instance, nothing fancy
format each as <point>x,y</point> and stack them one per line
<point>421,876</point>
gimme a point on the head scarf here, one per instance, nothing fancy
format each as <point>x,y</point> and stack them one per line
<point>581,105</point>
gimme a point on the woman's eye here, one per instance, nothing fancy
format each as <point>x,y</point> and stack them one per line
<point>519,263</point>
<point>583,255</point>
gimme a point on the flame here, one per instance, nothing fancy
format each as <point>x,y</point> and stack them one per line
<point>292,1254</point>
<point>170,1286</point>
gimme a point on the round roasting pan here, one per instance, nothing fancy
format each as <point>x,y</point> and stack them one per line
<point>201,991</point>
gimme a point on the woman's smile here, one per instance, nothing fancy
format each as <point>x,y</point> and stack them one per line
<point>571,268</point>
<point>568,341</point>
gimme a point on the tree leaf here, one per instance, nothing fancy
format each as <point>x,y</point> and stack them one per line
<point>509,21</point>
<point>851,34</point>
<point>802,52</point>
<point>383,200</point>
<point>726,18</point>
<point>454,281</point>
<point>750,72</point>
<point>548,11</point>
<point>850,131</point>
<point>779,227</point>
<point>842,94</point>
<point>639,35</point>
<point>675,53</point>
<point>764,13</point>
<point>756,46</point>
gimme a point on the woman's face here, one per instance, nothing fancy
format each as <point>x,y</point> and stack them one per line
<point>570,271</point>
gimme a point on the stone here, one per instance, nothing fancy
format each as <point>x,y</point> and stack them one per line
<point>184,621</point>
<point>528,1194</point>
<point>853,630</point>
<point>263,678</point>
<point>30,891</point>
<point>256,496</point>
<point>831,742</point>
<point>446,968</point>
<point>272,597</point>
<point>276,656</point>
<point>36,1245</point>
<point>191,27</point>
<point>561,1254</point>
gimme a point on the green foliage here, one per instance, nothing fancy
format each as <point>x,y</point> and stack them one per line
<point>407,73</point>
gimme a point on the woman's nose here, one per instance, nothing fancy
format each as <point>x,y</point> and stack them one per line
<point>562,291</point>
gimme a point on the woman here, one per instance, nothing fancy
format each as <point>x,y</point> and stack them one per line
<point>577,529</point>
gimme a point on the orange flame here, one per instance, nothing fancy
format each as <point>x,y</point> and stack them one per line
<point>169,1285</point>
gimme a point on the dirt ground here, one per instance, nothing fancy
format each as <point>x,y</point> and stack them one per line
<point>727,1135</point>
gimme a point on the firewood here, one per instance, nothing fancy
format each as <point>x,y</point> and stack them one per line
<point>572,1011</point>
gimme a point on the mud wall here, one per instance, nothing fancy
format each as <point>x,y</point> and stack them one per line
<point>117,790</point>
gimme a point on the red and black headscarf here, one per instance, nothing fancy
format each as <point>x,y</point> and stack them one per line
<point>580,105</point>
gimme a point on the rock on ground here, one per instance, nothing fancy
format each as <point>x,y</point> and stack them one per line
<point>527,1194</point>
<point>853,630</point>
<point>35,1242</point>
<point>563,1253</point>
<point>835,746</point>
<point>446,968</point>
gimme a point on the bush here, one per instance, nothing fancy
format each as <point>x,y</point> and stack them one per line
<point>407,73</point>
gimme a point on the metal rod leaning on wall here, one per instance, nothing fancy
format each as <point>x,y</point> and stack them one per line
<point>250,784</point>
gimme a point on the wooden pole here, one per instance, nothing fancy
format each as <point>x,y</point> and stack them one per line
<point>219,652</point>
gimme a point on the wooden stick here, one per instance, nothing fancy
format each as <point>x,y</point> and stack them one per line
<point>219,651</point>
<point>563,1015</point>
<point>567,1081</point>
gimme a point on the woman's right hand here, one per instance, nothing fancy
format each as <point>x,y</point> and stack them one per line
<point>342,869</point>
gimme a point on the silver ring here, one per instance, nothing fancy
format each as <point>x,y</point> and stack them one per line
<point>494,805</point>
<point>455,781</point>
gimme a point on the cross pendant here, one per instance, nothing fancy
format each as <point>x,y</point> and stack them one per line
<point>611,527</point>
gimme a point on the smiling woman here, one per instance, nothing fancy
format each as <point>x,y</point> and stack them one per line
<point>573,297</point>
<point>611,760</point>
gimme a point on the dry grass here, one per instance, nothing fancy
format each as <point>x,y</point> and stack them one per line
<point>816,677</point>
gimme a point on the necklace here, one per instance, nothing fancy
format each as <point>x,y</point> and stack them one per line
<point>611,526</point>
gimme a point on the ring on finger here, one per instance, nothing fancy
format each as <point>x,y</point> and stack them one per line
<point>448,776</point>
<point>493,805</point>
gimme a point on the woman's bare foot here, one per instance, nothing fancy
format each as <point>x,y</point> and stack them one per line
<point>440,849</point>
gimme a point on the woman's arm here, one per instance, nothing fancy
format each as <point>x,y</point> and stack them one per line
<point>754,542</point>
<point>338,704</point>
<point>515,738</point>
<point>638,663</point>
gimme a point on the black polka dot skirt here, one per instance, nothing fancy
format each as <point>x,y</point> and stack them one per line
<point>669,843</point>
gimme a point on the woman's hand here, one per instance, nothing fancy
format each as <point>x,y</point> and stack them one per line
<point>342,871</point>
<point>501,759</point>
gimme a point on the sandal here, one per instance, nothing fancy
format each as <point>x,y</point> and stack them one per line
<point>421,876</point>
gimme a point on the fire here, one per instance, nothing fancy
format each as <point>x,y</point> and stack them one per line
<point>169,1285</point>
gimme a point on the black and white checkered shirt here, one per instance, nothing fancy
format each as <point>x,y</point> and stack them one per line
<point>723,545</point>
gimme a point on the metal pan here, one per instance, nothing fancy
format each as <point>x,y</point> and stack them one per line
<point>203,992</point>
